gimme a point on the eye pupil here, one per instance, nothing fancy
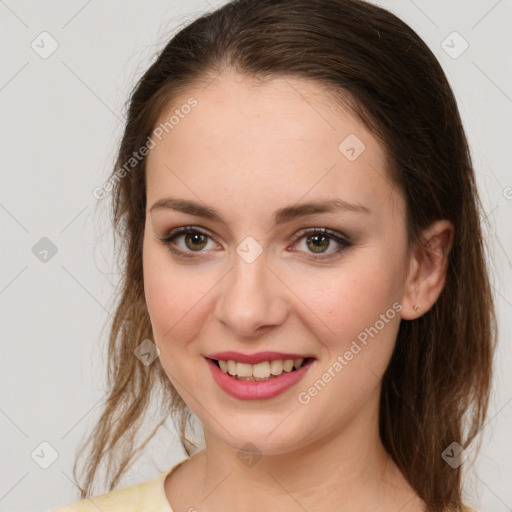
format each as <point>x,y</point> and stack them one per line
<point>197,239</point>
<point>316,239</point>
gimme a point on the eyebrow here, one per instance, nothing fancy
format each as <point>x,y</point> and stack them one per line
<point>281,216</point>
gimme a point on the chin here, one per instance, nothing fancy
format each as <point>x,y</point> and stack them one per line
<point>258,439</point>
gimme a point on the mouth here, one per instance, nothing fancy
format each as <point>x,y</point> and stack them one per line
<point>264,379</point>
<point>262,371</point>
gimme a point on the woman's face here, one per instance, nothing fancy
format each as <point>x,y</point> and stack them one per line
<point>250,283</point>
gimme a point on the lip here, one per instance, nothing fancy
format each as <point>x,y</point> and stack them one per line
<point>254,390</point>
<point>258,357</point>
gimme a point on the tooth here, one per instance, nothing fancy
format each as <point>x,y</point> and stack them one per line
<point>261,370</point>
<point>288,365</point>
<point>232,367</point>
<point>276,367</point>
<point>244,369</point>
<point>298,362</point>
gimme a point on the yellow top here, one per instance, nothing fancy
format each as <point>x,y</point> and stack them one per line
<point>147,496</point>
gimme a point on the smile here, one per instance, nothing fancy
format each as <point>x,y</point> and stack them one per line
<point>263,371</point>
<point>260,381</point>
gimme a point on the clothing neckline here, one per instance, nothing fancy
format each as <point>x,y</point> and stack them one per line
<point>165,505</point>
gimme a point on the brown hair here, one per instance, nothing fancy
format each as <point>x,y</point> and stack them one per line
<point>436,388</point>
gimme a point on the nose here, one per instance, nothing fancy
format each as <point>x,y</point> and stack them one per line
<point>251,298</point>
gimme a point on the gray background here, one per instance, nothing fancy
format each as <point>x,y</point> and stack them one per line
<point>61,119</point>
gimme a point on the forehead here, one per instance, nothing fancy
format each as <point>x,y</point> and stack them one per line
<point>267,142</point>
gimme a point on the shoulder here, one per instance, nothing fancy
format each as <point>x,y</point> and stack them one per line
<point>149,495</point>
<point>127,499</point>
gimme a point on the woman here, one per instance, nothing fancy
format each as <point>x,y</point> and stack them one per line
<point>302,250</point>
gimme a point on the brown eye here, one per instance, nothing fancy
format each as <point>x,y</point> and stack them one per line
<point>185,241</point>
<point>318,242</point>
<point>195,241</point>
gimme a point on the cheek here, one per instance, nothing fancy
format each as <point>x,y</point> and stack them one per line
<point>172,295</point>
<point>354,303</point>
<point>356,317</point>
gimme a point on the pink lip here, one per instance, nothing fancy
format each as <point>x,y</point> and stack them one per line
<point>258,357</point>
<point>247,390</point>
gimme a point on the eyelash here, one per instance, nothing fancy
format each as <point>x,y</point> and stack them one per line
<point>168,238</point>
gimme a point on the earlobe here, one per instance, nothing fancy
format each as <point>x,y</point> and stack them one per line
<point>427,269</point>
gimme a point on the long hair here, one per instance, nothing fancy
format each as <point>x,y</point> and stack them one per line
<point>436,389</point>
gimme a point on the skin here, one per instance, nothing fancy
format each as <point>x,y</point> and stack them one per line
<point>247,150</point>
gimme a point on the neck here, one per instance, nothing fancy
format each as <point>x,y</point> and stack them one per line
<point>345,470</point>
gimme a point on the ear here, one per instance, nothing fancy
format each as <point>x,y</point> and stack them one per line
<point>427,269</point>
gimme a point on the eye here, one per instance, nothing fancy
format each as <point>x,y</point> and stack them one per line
<point>195,239</point>
<point>318,240</point>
